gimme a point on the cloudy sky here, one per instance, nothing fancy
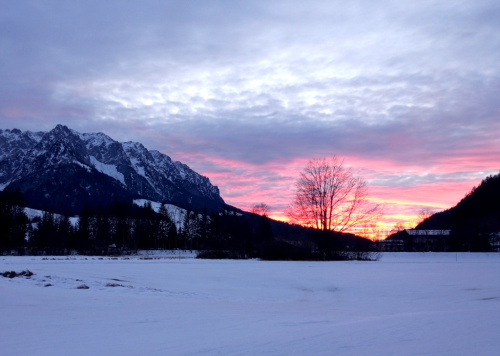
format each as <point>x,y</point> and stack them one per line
<point>246,92</point>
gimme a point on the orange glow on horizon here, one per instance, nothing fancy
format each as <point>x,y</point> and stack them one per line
<point>403,189</point>
<point>279,217</point>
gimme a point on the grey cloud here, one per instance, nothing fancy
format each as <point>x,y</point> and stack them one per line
<point>259,82</point>
<point>440,126</point>
<point>412,179</point>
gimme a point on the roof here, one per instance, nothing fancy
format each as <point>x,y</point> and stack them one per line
<point>427,232</point>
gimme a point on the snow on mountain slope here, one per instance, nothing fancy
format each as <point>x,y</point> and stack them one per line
<point>107,169</point>
<point>4,185</point>
<point>35,213</point>
<point>149,174</point>
<point>95,139</point>
<point>12,142</point>
<point>176,214</point>
<point>57,147</point>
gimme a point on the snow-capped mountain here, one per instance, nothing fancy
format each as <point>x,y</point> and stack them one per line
<point>63,169</point>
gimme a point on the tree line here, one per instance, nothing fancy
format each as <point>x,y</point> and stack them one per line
<point>124,228</point>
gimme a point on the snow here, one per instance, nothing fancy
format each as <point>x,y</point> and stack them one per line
<point>11,135</point>
<point>154,166</point>
<point>405,304</point>
<point>230,212</point>
<point>176,214</point>
<point>107,169</point>
<point>137,168</point>
<point>3,185</point>
<point>133,150</point>
<point>415,232</point>
<point>33,213</point>
<point>36,136</point>
<point>82,165</point>
<point>180,168</point>
<point>73,220</point>
<point>94,139</point>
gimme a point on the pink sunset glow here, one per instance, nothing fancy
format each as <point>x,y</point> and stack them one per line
<point>403,190</point>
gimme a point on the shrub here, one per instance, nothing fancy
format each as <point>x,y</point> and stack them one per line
<point>220,255</point>
<point>283,251</point>
<point>114,285</point>
<point>11,274</point>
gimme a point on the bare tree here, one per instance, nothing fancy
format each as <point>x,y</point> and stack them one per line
<point>424,214</point>
<point>261,209</point>
<point>372,232</point>
<point>331,199</point>
<point>398,227</point>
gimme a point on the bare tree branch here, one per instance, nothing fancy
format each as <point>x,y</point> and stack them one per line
<point>261,209</point>
<point>330,198</point>
<point>424,214</point>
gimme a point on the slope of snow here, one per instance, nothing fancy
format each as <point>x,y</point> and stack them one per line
<point>36,136</point>
<point>3,185</point>
<point>137,168</point>
<point>15,141</point>
<point>95,139</point>
<point>33,213</point>
<point>107,169</point>
<point>176,214</point>
<point>405,304</point>
<point>87,168</point>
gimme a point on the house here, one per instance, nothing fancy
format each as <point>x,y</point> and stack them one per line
<point>427,240</point>
<point>412,240</point>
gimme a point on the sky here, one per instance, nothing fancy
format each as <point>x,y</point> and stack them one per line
<point>247,92</point>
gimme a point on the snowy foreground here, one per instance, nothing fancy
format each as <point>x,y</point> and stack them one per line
<point>404,304</point>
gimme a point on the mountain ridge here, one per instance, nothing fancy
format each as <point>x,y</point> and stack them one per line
<point>46,165</point>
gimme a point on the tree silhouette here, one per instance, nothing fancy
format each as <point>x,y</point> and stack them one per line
<point>332,200</point>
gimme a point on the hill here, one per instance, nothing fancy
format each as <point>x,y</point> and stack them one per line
<point>474,222</point>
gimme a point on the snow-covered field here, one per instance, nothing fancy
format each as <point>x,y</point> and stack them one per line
<point>404,304</point>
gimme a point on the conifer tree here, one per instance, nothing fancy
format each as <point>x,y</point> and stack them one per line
<point>13,220</point>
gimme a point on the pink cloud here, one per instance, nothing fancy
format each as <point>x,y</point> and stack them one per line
<point>245,184</point>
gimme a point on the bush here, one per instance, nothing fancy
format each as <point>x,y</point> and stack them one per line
<point>283,251</point>
<point>114,285</point>
<point>356,255</point>
<point>12,274</point>
<point>220,255</point>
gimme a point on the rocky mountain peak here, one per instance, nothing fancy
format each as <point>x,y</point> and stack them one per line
<point>129,168</point>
